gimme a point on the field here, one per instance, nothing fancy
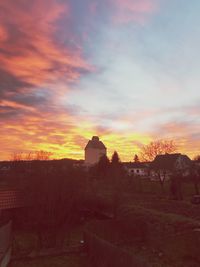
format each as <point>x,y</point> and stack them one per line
<point>134,196</point>
<point>60,261</point>
<point>25,242</point>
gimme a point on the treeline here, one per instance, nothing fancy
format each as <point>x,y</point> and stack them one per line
<point>106,168</point>
<point>55,193</point>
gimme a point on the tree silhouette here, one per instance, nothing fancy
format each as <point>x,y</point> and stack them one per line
<point>16,157</point>
<point>32,155</point>
<point>116,173</point>
<point>195,177</point>
<point>159,147</point>
<point>54,193</point>
<point>43,155</point>
<point>103,166</point>
<point>115,161</point>
<point>176,184</point>
<point>136,158</point>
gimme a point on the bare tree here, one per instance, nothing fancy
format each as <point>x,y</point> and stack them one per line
<point>159,147</point>
<point>22,163</point>
<point>43,155</point>
<point>32,155</point>
<point>29,156</point>
<point>16,157</point>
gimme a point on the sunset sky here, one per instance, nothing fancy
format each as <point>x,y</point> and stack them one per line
<point>125,70</point>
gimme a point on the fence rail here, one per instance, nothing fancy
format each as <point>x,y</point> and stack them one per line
<point>5,243</point>
<point>102,253</point>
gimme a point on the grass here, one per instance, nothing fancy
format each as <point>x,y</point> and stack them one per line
<point>149,195</point>
<point>26,242</point>
<point>144,193</point>
<point>60,261</point>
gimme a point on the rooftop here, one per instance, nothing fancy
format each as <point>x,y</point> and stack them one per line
<point>95,143</point>
<point>167,161</point>
<point>131,165</point>
<point>11,198</point>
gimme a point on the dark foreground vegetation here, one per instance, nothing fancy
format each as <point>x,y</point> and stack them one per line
<point>123,221</point>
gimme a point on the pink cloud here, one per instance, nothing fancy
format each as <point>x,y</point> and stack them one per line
<point>134,10</point>
<point>185,134</point>
<point>32,53</point>
<point>93,8</point>
<point>3,34</point>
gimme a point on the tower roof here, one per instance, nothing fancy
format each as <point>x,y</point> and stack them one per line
<point>95,143</point>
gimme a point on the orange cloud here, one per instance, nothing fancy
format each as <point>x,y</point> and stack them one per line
<point>13,104</point>
<point>34,55</point>
<point>185,134</point>
<point>37,70</point>
<point>33,63</point>
<point>66,138</point>
<point>3,34</point>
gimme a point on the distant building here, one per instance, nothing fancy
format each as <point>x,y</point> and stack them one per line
<point>137,168</point>
<point>94,150</point>
<point>165,165</point>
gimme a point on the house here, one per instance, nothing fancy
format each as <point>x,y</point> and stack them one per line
<point>163,166</point>
<point>137,168</point>
<point>195,170</point>
<point>94,150</point>
<point>10,199</point>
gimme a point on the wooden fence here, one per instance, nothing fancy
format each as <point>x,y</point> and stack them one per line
<point>102,253</point>
<point>5,243</point>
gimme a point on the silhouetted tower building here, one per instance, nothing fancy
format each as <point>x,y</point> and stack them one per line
<point>94,150</point>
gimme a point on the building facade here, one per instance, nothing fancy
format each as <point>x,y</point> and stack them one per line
<point>94,150</point>
<point>137,168</point>
<point>165,165</point>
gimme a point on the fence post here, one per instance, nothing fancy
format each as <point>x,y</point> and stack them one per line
<point>5,243</point>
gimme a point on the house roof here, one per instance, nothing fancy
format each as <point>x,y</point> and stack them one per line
<point>138,165</point>
<point>11,198</point>
<point>95,143</point>
<point>196,162</point>
<point>167,161</point>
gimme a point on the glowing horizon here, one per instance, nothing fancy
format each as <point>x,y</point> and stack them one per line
<point>125,70</point>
